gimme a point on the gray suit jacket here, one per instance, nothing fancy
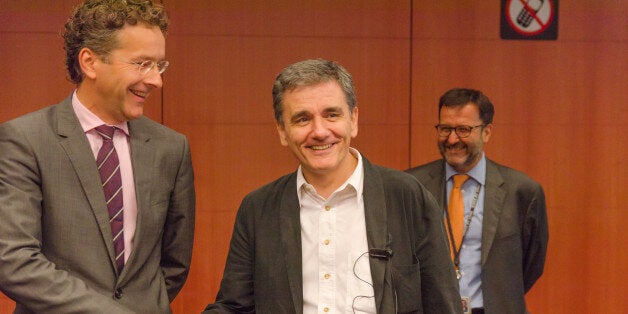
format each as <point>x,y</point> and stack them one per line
<point>514,232</point>
<point>263,271</point>
<point>56,248</point>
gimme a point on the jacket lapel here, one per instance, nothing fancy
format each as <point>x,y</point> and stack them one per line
<point>376,226</point>
<point>290,222</point>
<point>493,199</point>
<point>79,153</point>
<point>436,184</point>
<point>142,160</point>
<point>493,203</point>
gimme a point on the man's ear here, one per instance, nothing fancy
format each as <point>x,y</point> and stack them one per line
<point>487,130</point>
<point>282,133</point>
<point>88,61</point>
<point>354,122</point>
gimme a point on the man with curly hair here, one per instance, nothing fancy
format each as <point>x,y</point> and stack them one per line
<point>97,201</point>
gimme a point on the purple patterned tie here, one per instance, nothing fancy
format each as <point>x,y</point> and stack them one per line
<point>109,168</point>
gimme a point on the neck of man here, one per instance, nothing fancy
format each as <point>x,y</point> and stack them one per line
<point>328,182</point>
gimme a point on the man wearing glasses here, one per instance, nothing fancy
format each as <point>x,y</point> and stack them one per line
<point>499,239</point>
<point>97,201</point>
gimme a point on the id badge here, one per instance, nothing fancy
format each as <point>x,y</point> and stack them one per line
<point>466,305</point>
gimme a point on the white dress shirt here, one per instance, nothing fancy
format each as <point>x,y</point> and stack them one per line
<point>336,269</point>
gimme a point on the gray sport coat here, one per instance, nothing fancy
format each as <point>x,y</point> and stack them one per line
<point>514,232</point>
<point>56,247</point>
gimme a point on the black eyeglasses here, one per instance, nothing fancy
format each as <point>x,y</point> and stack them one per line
<point>462,131</point>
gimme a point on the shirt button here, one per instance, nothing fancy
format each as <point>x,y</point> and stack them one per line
<point>326,242</point>
<point>327,207</point>
<point>117,294</point>
<point>327,276</point>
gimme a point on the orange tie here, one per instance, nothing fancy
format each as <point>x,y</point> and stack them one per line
<point>455,211</point>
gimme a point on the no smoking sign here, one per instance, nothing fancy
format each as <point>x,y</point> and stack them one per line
<point>529,19</point>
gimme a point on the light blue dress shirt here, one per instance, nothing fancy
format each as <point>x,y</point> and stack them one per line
<point>471,251</point>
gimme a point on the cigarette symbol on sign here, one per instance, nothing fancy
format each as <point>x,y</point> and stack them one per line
<point>527,13</point>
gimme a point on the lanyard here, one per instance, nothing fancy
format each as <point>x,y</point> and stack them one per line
<point>464,231</point>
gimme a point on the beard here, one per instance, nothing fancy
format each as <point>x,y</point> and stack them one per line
<point>459,156</point>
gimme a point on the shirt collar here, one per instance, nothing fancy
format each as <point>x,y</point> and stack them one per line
<point>89,120</point>
<point>478,173</point>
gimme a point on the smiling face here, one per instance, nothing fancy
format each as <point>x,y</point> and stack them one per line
<point>463,153</point>
<point>318,127</point>
<point>113,88</point>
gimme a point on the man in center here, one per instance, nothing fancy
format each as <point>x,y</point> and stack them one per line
<point>339,235</point>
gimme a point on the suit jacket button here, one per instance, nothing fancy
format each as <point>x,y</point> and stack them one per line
<point>118,293</point>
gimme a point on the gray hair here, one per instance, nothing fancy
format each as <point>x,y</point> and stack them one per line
<point>311,72</point>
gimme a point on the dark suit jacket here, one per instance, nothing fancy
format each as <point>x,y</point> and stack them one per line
<point>514,232</point>
<point>263,271</point>
<point>56,248</point>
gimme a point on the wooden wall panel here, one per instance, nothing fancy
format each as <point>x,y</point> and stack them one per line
<point>557,103</point>
<point>31,56</point>
<point>286,18</point>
